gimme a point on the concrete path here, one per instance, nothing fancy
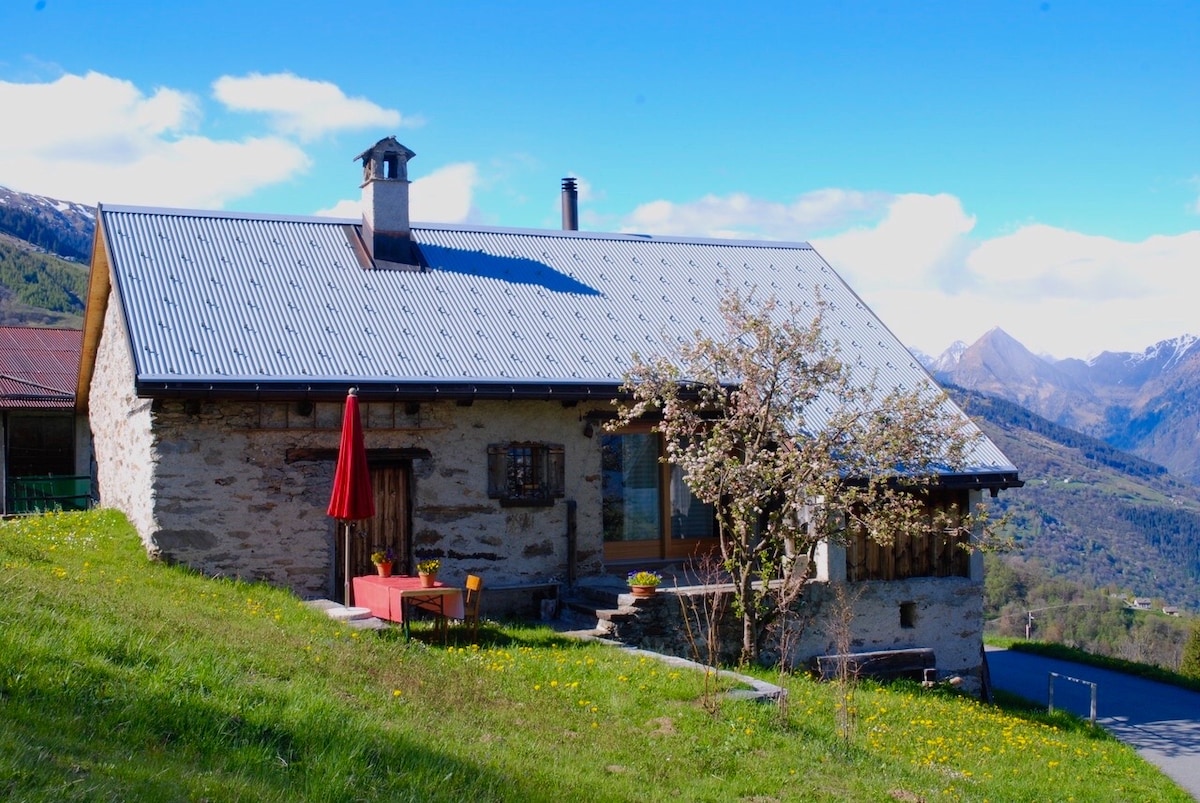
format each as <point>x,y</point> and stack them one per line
<point>1160,721</point>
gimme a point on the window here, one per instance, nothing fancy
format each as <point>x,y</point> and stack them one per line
<point>525,474</point>
<point>690,518</point>
<point>632,510</point>
<point>41,444</point>
<point>635,483</point>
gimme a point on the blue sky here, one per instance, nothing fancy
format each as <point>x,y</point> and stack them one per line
<point>965,165</point>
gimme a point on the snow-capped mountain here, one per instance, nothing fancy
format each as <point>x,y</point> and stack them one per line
<point>63,228</point>
<point>1147,403</point>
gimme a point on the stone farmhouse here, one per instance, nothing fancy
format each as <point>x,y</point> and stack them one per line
<point>219,347</point>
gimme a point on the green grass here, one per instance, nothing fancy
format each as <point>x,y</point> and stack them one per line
<point>125,679</point>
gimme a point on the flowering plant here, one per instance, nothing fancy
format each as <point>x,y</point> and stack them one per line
<point>429,566</point>
<point>644,578</point>
<point>383,556</point>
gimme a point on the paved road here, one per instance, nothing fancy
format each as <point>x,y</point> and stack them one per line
<point>1162,722</point>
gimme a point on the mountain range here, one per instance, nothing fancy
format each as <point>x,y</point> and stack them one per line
<point>1145,403</point>
<point>1107,447</point>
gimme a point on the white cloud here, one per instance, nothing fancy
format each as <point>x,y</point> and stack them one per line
<point>1058,292</point>
<point>921,238</point>
<point>916,260</point>
<point>89,116</point>
<point>741,216</point>
<point>95,138</point>
<point>302,107</point>
<point>344,209</point>
<point>1039,261</point>
<point>444,196</point>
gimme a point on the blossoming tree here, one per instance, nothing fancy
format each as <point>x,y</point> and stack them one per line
<point>792,447</point>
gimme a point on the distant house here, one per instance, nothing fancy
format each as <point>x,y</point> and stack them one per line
<point>47,447</point>
<point>218,350</point>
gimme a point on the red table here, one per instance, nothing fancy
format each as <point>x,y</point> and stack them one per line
<point>389,597</point>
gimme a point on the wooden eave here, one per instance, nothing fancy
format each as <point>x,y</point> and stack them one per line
<point>99,288</point>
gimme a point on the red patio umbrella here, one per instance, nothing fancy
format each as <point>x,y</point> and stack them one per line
<point>353,498</point>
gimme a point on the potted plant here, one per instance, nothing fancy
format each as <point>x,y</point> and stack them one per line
<point>644,583</point>
<point>383,560</point>
<point>428,569</point>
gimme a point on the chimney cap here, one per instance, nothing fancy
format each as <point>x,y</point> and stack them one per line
<point>570,205</point>
<point>383,146</point>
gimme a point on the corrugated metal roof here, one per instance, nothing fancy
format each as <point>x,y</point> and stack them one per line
<point>229,300</point>
<point>38,367</point>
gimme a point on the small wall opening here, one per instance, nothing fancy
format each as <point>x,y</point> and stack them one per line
<point>391,166</point>
<point>908,614</point>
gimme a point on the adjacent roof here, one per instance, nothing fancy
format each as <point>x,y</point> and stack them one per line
<point>272,306</point>
<point>38,367</point>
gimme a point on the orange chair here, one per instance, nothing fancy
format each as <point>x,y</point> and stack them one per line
<point>474,590</point>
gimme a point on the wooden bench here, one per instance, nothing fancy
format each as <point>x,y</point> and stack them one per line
<point>881,665</point>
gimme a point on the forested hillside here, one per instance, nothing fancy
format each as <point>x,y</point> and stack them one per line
<point>57,227</point>
<point>1092,513</point>
<point>68,242</point>
<point>1022,600</point>
<point>38,289</point>
<point>45,245</point>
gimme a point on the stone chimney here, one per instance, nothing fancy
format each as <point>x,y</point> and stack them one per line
<point>385,230</point>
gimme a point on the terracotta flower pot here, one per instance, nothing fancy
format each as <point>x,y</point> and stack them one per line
<point>644,591</point>
<point>384,568</point>
<point>427,580</point>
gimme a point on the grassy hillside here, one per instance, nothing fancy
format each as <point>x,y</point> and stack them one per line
<point>123,679</point>
<point>1092,513</point>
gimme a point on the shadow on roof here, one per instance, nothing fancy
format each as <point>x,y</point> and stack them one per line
<point>521,270</point>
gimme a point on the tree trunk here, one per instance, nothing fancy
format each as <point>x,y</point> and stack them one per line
<point>749,618</point>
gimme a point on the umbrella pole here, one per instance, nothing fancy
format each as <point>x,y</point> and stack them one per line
<point>346,570</point>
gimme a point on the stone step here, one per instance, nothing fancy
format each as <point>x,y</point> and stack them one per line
<point>355,618</point>
<point>601,609</point>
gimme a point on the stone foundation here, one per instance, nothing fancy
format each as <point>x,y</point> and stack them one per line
<point>943,614</point>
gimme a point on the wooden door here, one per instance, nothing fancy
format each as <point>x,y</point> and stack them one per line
<point>391,526</point>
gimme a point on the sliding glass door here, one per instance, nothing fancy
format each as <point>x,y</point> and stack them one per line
<point>648,511</point>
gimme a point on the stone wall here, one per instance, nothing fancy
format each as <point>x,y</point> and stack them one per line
<point>120,426</point>
<point>944,614</point>
<point>453,517</point>
<point>211,484</point>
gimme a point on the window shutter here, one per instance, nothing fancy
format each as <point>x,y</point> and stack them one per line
<point>555,480</point>
<point>497,471</point>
